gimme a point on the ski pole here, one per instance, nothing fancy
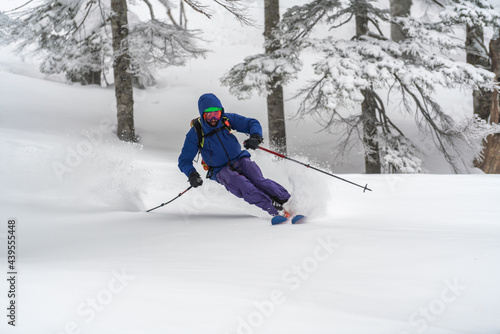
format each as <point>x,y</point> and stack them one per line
<point>159,206</point>
<point>365,188</point>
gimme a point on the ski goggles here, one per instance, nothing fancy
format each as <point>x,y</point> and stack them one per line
<point>212,115</point>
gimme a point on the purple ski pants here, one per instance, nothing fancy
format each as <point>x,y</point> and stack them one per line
<point>245,180</point>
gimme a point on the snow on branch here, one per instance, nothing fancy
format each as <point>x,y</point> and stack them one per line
<point>257,73</point>
<point>73,36</point>
<point>471,12</point>
<point>349,73</point>
<point>158,44</point>
<point>430,34</point>
<point>299,21</point>
<point>399,154</point>
<point>349,67</point>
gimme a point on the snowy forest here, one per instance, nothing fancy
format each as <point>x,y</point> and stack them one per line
<point>382,118</point>
<point>373,60</point>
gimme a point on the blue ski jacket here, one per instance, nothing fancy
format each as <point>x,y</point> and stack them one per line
<point>220,148</point>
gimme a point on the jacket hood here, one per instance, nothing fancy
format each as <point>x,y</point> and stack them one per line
<point>208,101</point>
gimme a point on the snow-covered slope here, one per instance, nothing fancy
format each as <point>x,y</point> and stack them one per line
<point>418,254</point>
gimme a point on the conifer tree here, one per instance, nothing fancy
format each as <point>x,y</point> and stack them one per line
<point>399,8</point>
<point>352,71</point>
<point>490,160</point>
<point>86,38</point>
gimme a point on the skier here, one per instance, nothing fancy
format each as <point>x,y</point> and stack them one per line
<point>227,163</point>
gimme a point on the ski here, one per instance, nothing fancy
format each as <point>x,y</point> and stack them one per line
<point>278,220</point>
<point>281,219</point>
<point>297,219</point>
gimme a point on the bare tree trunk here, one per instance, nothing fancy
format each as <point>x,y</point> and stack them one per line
<point>491,152</point>
<point>121,67</point>
<point>92,78</point>
<point>495,68</point>
<point>477,56</point>
<point>368,114</point>
<point>275,105</point>
<point>372,154</point>
<point>399,8</point>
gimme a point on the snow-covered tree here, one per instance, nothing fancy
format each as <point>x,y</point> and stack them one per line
<point>478,16</point>
<point>85,38</point>
<point>353,71</point>
<point>74,37</point>
<point>477,55</point>
<point>399,8</point>
<point>489,161</point>
<point>4,21</point>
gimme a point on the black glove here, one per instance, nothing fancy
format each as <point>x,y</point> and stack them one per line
<point>195,179</point>
<point>252,142</point>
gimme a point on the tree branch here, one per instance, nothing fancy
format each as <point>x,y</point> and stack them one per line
<point>438,3</point>
<point>376,26</point>
<point>341,24</point>
<point>13,10</point>
<point>151,11</point>
<point>198,8</point>
<point>89,5</point>
<point>239,13</point>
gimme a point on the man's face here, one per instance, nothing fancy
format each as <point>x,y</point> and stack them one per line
<point>212,117</point>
